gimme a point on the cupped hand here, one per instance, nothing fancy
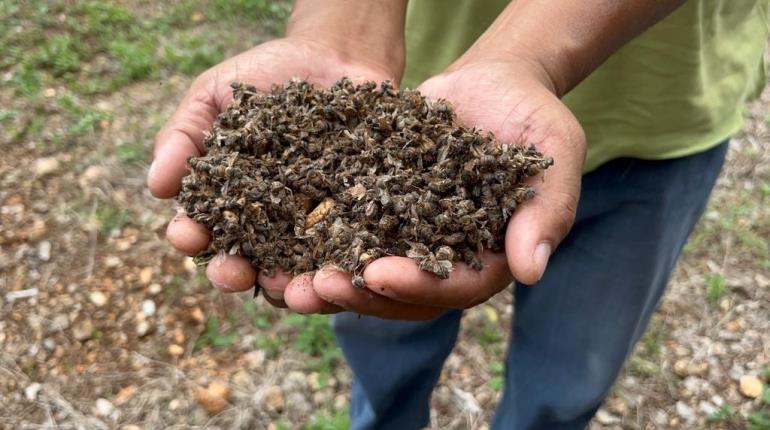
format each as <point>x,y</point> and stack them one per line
<point>518,106</point>
<point>273,62</point>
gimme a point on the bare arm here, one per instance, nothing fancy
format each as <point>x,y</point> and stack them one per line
<point>365,31</point>
<point>566,40</point>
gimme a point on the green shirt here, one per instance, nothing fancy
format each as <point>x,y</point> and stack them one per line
<point>677,89</point>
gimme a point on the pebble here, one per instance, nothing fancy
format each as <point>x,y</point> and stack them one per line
<point>92,175</point>
<point>145,275</point>
<point>255,358</point>
<point>707,408</point>
<point>148,307</point>
<point>685,411</point>
<point>112,261</point>
<point>131,427</point>
<point>98,298</point>
<point>175,350</point>
<point>197,315</point>
<point>606,418</point>
<point>340,402</point>
<point>273,399</point>
<point>294,381</point>
<point>214,398</point>
<point>154,289</point>
<point>83,330</point>
<point>49,344</point>
<point>142,328</point>
<point>44,250</point>
<point>750,386</point>
<point>60,322</point>
<point>32,390</point>
<point>45,166</point>
<point>104,407</point>
<point>298,404</point>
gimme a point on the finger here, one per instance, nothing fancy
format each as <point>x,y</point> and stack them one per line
<point>401,279</point>
<point>273,286</point>
<point>538,225</point>
<point>231,273</point>
<point>180,138</point>
<point>336,287</point>
<point>300,297</point>
<point>187,235</point>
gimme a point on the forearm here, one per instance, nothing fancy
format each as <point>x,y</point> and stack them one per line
<point>369,31</point>
<point>566,40</point>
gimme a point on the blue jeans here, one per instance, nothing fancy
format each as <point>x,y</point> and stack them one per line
<point>573,330</point>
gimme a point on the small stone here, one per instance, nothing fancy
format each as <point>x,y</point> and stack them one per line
<point>685,367</point>
<point>145,275</point>
<point>131,427</point>
<point>273,399</point>
<point>175,350</point>
<point>49,344</point>
<point>255,358</point>
<point>98,298</point>
<point>49,93</point>
<point>154,289</point>
<point>44,250</point>
<point>707,408</point>
<point>750,386</point>
<point>60,322</point>
<point>197,17</point>
<point>190,265</point>
<point>214,398</point>
<point>92,175</point>
<point>148,308</point>
<point>45,166</point>
<point>340,401</point>
<point>606,418</point>
<point>142,328</point>
<point>112,261</point>
<point>125,394</point>
<point>197,315</point>
<point>313,381</point>
<point>104,407</point>
<point>32,390</point>
<point>684,411</point>
<point>294,381</point>
<point>83,330</point>
<point>174,404</point>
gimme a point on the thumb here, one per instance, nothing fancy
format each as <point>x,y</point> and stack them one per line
<point>538,225</point>
<point>182,137</point>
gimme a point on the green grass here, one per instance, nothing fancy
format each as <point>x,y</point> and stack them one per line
<point>314,337</point>
<point>716,288</point>
<point>41,49</point>
<point>110,218</point>
<point>216,335</point>
<point>497,371</point>
<point>338,420</point>
<point>725,414</point>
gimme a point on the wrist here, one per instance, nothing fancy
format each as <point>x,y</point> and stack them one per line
<point>369,34</point>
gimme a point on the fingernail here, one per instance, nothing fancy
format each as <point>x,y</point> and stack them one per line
<point>540,258</point>
<point>325,273</point>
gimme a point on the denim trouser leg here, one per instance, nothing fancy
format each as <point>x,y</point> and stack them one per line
<point>395,365</point>
<point>573,330</point>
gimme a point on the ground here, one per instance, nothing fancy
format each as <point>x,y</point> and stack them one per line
<point>103,325</point>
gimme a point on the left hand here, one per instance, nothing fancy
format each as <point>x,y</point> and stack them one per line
<point>517,103</point>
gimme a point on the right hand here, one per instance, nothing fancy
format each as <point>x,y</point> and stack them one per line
<point>274,62</point>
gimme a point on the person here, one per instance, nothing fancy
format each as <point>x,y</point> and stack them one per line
<point>633,99</point>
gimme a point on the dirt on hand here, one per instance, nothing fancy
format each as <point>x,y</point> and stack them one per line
<point>301,176</point>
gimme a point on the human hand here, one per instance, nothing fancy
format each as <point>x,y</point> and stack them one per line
<point>182,136</point>
<point>518,104</point>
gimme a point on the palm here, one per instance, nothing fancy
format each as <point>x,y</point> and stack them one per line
<point>280,60</point>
